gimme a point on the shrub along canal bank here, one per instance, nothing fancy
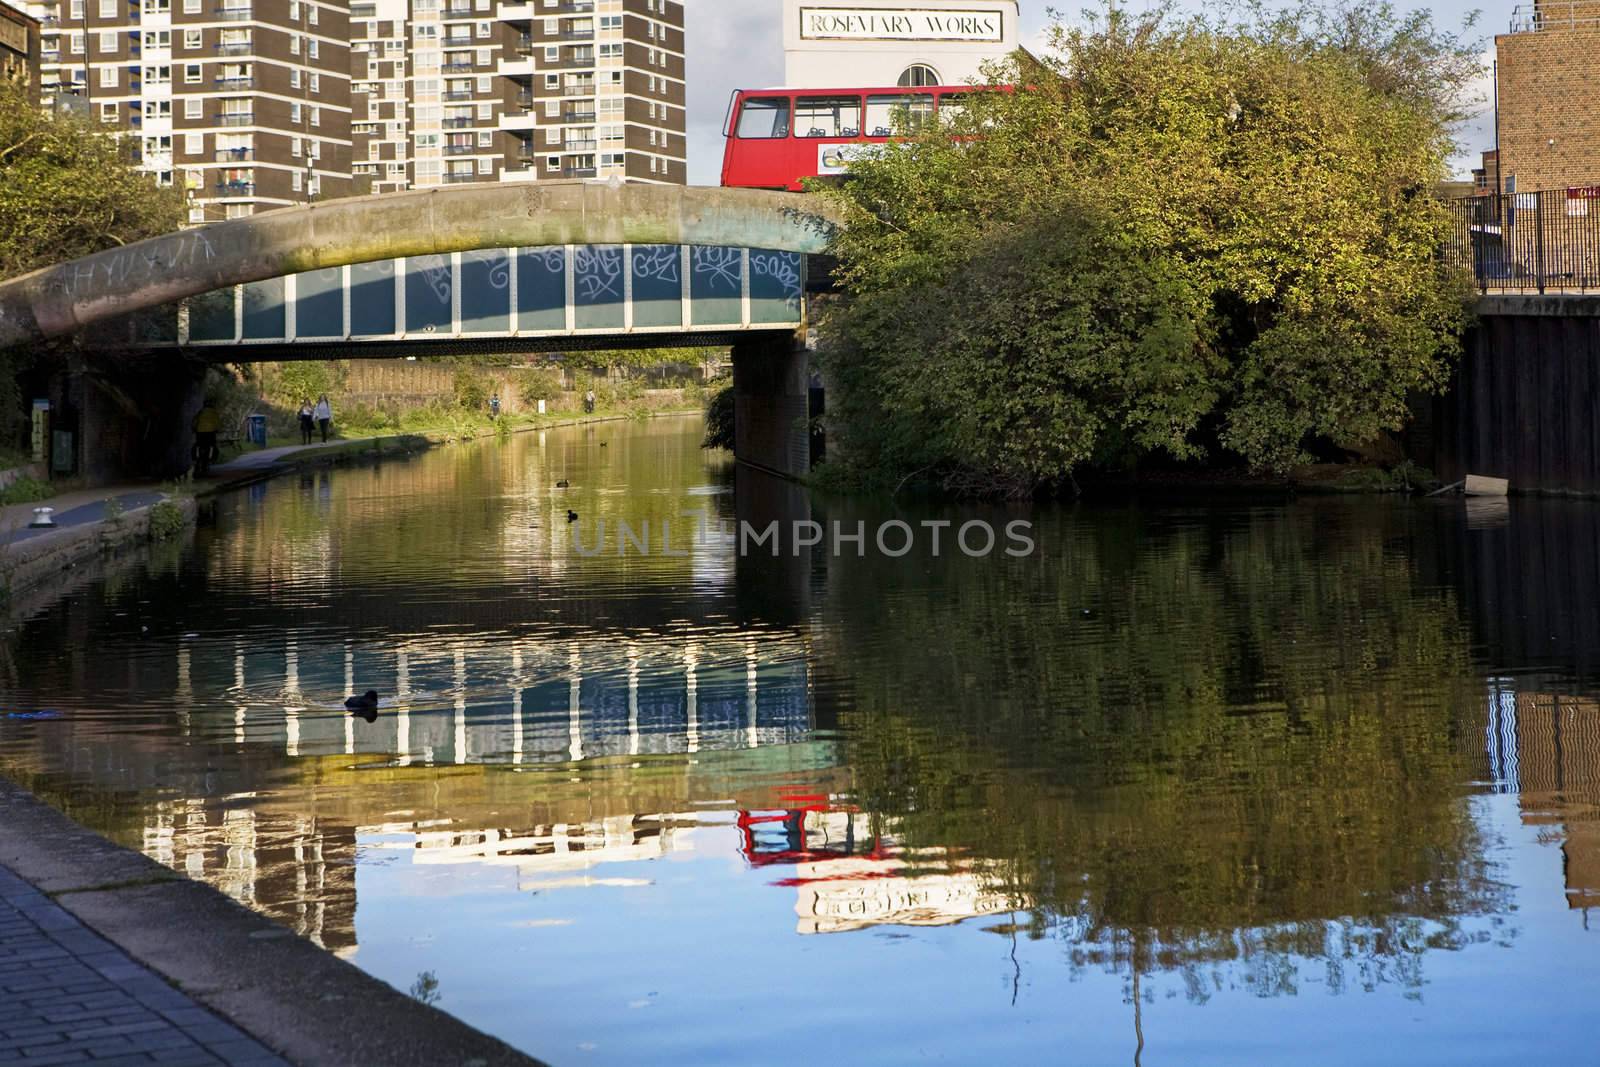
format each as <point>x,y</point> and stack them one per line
<point>295,998</point>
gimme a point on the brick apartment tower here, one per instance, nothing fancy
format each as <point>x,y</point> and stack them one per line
<point>247,106</point>
<point>483,90</point>
<point>1549,67</point>
<point>255,104</point>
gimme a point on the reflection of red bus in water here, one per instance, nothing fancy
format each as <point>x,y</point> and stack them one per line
<point>776,138</point>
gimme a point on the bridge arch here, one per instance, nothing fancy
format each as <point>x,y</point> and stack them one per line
<point>63,299</point>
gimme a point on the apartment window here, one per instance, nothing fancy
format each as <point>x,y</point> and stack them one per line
<point>76,10</point>
<point>238,211</point>
<point>108,77</point>
<point>652,164</point>
<point>552,81</point>
<point>316,79</point>
<point>294,10</point>
<point>652,59</point>
<point>191,7</point>
<point>294,77</point>
<point>294,180</point>
<point>197,215</point>
<point>552,135</point>
<point>611,51</point>
<point>108,43</point>
<point>485,138</point>
<point>610,22</point>
<point>483,29</point>
<point>552,54</point>
<point>485,166</point>
<point>77,44</point>
<point>552,108</point>
<point>194,143</point>
<point>311,14</point>
<point>313,149</point>
<point>108,9</point>
<point>485,112</point>
<point>295,147</point>
<point>294,113</point>
<point>192,38</point>
<point>294,44</point>
<point>158,109</point>
<point>483,83</point>
<point>158,75</point>
<point>194,107</point>
<point>652,138</point>
<point>191,73</point>
<point>108,112</point>
<point>552,163</point>
<point>485,57</point>
<point>316,116</point>
<point>311,48</point>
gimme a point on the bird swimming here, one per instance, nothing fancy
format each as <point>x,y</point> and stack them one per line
<point>562,484</point>
<point>364,702</point>
<point>572,516</point>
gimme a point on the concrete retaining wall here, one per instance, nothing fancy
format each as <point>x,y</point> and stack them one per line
<point>24,565</point>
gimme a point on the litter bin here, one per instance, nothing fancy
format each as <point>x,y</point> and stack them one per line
<point>255,430</point>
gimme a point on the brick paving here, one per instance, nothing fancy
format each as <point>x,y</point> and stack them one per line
<point>68,996</point>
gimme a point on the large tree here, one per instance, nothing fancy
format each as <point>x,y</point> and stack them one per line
<point>1172,235</point>
<point>68,188</point>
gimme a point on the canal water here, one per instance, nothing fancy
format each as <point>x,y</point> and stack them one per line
<point>1311,782</point>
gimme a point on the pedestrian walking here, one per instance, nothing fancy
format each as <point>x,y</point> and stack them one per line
<point>588,401</point>
<point>207,423</point>
<point>307,421</point>
<point>494,405</point>
<point>324,415</point>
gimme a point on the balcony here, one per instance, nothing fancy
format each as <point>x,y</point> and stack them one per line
<point>579,172</point>
<point>234,14</point>
<point>575,7</point>
<point>525,99</point>
<point>573,35</point>
<point>235,155</point>
<point>236,188</point>
<point>569,62</point>
<point>457,11</point>
<point>459,41</point>
<point>456,68</point>
<point>456,177</point>
<point>363,11</point>
<point>579,146</point>
<point>577,116</point>
<point>457,94</point>
<point>578,89</point>
<point>461,149</point>
<point>237,118</point>
<point>457,124</point>
<point>525,45</point>
<point>233,84</point>
<point>243,48</point>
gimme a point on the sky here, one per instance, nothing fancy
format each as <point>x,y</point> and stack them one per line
<point>738,44</point>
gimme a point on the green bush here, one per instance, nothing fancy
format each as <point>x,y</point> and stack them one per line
<point>719,419</point>
<point>538,383</point>
<point>24,491</point>
<point>471,389</point>
<point>166,520</point>
<point>294,383</point>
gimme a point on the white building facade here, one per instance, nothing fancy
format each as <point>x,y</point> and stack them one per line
<point>894,42</point>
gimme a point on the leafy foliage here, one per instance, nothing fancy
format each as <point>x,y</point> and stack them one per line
<point>719,419</point>
<point>1178,235</point>
<point>68,189</point>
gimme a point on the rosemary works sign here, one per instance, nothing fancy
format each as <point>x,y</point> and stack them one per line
<point>909,24</point>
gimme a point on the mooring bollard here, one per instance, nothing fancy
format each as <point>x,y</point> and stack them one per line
<point>42,519</point>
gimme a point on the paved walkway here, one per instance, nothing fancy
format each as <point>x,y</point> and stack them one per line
<point>67,996</point>
<point>18,515</point>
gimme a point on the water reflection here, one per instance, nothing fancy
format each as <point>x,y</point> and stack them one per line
<point>1182,764</point>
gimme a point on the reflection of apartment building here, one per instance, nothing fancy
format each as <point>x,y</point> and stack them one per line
<point>19,45</point>
<point>245,104</point>
<point>1547,748</point>
<point>1548,70</point>
<point>548,857</point>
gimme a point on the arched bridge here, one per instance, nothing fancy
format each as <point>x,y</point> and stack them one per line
<point>582,264</point>
<point>66,298</point>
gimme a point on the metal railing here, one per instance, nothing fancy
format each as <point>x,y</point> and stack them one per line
<point>1547,241</point>
<point>235,155</point>
<point>236,118</point>
<point>1549,15</point>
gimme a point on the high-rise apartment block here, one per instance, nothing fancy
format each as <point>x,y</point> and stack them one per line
<point>256,104</point>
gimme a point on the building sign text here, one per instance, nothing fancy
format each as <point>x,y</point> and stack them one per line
<point>883,24</point>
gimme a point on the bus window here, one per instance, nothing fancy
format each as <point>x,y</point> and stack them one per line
<point>764,117</point>
<point>951,106</point>
<point>897,113</point>
<point>827,116</point>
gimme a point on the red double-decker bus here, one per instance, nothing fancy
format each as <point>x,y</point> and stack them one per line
<point>776,138</point>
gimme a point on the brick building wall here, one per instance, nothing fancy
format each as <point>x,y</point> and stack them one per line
<point>1549,75</point>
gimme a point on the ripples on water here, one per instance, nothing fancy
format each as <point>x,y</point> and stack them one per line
<point>1310,783</point>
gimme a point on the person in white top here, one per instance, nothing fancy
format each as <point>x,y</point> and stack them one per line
<point>324,415</point>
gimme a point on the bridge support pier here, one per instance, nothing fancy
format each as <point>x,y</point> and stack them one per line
<point>771,405</point>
